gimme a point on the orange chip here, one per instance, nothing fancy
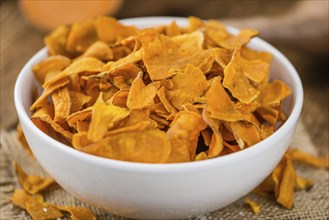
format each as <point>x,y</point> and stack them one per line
<point>20,198</point>
<point>99,50</point>
<point>253,205</point>
<point>62,104</point>
<point>201,156</point>
<point>46,114</point>
<point>273,93</point>
<point>81,36</point>
<point>172,29</point>
<point>43,211</point>
<point>216,143</point>
<point>55,63</point>
<point>187,85</point>
<point>148,146</point>
<point>162,94</point>
<point>223,110</point>
<point>236,82</point>
<point>110,30</point>
<point>245,133</point>
<point>104,116</point>
<point>299,156</point>
<point>287,185</point>
<point>141,95</point>
<point>302,183</point>
<point>183,134</point>
<point>31,183</point>
<point>194,23</point>
<point>56,41</point>
<point>164,54</point>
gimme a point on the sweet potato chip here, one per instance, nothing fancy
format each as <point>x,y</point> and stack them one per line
<point>20,198</point>
<point>81,36</point>
<point>255,207</point>
<point>55,63</point>
<point>299,156</point>
<point>223,110</point>
<point>141,95</point>
<point>287,185</point>
<point>164,54</point>
<point>201,156</point>
<point>183,135</point>
<point>104,116</point>
<point>236,81</point>
<point>245,133</point>
<point>172,30</point>
<point>32,183</point>
<point>110,30</point>
<point>43,211</point>
<point>62,104</point>
<point>99,50</point>
<point>148,146</point>
<point>56,41</point>
<point>162,94</point>
<point>187,85</point>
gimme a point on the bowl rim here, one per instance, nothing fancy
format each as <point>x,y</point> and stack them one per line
<point>165,167</point>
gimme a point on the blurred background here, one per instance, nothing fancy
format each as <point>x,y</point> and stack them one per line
<point>298,28</point>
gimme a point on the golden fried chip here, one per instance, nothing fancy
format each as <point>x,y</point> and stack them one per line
<point>302,183</point>
<point>81,36</point>
<point>32,183</point>
<point>100,51</point>
<point>187,85</point>
<point>230,42</point>
<point>194,23</point>
<point>255,207</point>
<point>87,64</point>
<point>20,198</point>
<point>274,93</point>
<point>245,133</point>
<point>299,156</point>
<point>55,63</point>
<point>56,41</point>
<point>162,94</point>
<point>148,146</point>
<point>216,142</point>
<point>104,116</point>
<point>183,135</point>
<point>236,82</point>
<point>78,213</point>
<point>42,210</point>
<point>164,55</point>
<point>47,91</point>
<point>80,140</point>
<point>78,100</point>
<point>62,104</point>
<point>201,156</point>
<point>251,54</point>
<point>223,110</point>
<point>287,186</point>
<point>172,29</point>
<point>141,95</point>
<point>110,30</point>
<point>46,114</point>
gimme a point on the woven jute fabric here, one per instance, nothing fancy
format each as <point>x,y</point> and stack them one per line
<point>312,204</point>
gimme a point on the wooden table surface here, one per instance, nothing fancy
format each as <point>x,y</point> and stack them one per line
<point>20,41</point>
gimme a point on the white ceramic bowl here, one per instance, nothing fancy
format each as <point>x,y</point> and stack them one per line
<point>162,191</point>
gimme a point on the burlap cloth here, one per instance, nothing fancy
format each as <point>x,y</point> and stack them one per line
<point>312,204</point>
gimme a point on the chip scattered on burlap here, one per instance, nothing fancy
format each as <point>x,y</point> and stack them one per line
<point>311,204</point>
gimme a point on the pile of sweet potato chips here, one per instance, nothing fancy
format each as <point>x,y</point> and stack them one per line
<point>157,95</point>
